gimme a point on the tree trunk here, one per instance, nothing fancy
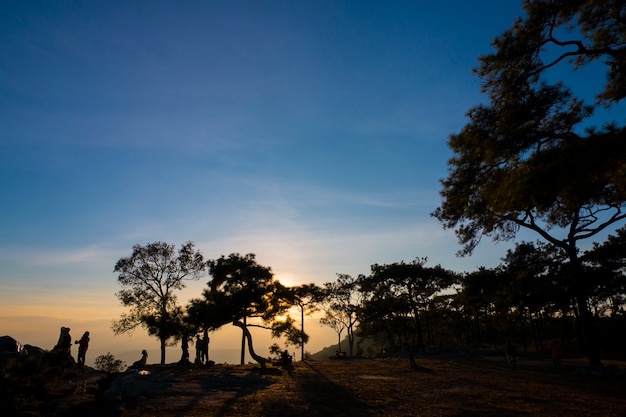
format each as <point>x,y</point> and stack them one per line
<point>246,334</point>
<point>302,336</point>
<point>478,338</point>
<point>522,321</point>
<point>417,320</point>
<point>339,341</point>
<point>351,340</point>
<point>585,319</point>
<point>587,331</point>
<point>243,342</point>
<point>162,351</point>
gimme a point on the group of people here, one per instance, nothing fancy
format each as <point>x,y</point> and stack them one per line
<point>202,349</point>
<point>556,351</point>
<point>64,345</point>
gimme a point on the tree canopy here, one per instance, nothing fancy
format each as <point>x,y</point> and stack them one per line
<point>531,158</point>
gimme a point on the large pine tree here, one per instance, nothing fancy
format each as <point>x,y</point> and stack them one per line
<point>531,157</point>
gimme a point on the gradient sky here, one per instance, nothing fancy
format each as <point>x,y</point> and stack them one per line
<point>311,133</point>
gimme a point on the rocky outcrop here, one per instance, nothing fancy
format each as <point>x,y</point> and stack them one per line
<point>8,344</point>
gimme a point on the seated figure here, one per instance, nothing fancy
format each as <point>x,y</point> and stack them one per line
<point>141,363</point>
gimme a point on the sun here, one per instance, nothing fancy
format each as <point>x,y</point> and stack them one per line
<point>286,280</point>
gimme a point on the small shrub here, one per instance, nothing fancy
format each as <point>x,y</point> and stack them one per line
<point>108,363</point>
<point>275,352</point>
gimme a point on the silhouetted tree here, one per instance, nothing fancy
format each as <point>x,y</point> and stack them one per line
<point>150,277</point>
<point>336,320</point>
<point>384,311</point>
<point>607,263</point>
<point>342,300</point>
<point>476,295</point>
<point>530,159</point>
<point>416,284</point>
<point>535,287</point>
<point>306,297</point>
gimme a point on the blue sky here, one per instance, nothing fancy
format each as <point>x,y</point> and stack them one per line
<point>311,133</point>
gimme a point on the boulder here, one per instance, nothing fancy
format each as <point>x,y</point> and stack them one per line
<point>8,344</point>
<point>34,350</point>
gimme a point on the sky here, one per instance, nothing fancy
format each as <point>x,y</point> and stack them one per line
<point>311,133</point>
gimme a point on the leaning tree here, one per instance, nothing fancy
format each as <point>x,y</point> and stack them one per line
<point>531,157</point>
<point>150,276</point>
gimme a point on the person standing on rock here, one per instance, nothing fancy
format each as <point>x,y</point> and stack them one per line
<point>65,341</point>
<point>83,345</point>
<point>63,348</point>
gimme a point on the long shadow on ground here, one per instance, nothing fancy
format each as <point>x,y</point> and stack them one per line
<point>324,397</point>
<point>174,391</point>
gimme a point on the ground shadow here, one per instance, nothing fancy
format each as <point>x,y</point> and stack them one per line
<point>175,391</point>
<point>224,391</point>
<point>327,398</point>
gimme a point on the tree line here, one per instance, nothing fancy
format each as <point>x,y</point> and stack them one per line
<point>404,307</point>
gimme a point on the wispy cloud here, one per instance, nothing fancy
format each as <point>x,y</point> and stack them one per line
<point>53,257</point>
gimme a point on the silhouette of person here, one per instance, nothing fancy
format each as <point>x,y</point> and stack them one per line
<point>511,354</point>
<point>204,357</point>
<point>198,350</point>
<point>60,341</point>
<point>65,341</point>
<point>83,344</point>
<point>556,349</point>
<point>141,363</point>
<point>285,358</point>
<point>63,347</point>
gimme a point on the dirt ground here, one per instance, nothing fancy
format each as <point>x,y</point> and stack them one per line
<point>467,385</point>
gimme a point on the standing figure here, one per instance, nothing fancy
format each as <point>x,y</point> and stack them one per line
<point>61,338</point>
<point>556,349</point>
<point>511,354</point>
<point>198,350</point>
<point>64,346</point>
<point>205,347</point>
<point>83,344</point>
<point>285,358</point>
<point>65,341</point>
